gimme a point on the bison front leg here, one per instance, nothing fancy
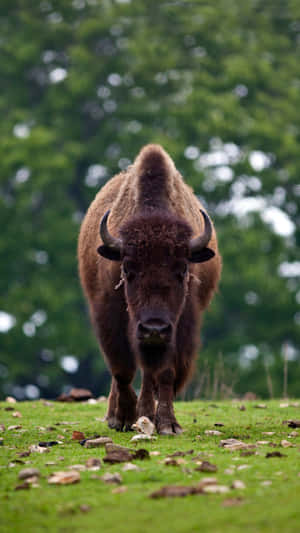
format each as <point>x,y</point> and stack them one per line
<point>146,402</point>
<point>121,412</point>
<point>165,421</point>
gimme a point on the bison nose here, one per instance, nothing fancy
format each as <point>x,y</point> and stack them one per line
<point>154,329</point>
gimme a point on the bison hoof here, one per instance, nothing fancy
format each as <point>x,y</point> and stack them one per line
<point>119,424</point>
<point>172,428</point>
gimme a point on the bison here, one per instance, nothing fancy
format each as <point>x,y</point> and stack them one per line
<point>148,275</point>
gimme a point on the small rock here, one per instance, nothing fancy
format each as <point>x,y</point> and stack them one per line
<point>238,484</point>
<point>13,428</point>
<point>206,466</point>
<point>112,478</point>
<point>266,483</point>
<point>216,489</point>
<point>95,443</point>
<point>78,435</point>
<point>64,478</point>
<point>78,468</point>
<point>17,414</point>
<point>84,508</point>
<point>93,463</point>
<point>38,449</point>
<point>10,399</point>
<point>213,432</point>
<point>260,406</point>
<point>130,467</point>
<point>286,444</point>
<point>293,434</point>
<point>80,394</point>
<point>242,408</point>
<point>142,436</point>
<point>144,425</point>
<point>28,473</point>
<point>2,428</point>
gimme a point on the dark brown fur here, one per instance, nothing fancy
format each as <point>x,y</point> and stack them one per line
<point>155,214</point>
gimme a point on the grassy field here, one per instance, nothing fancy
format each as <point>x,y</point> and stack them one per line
<point>270,501</point>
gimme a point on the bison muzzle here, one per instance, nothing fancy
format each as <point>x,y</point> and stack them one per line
<point>148,274</point>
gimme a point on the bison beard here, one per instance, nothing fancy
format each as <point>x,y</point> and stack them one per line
<point>168,276</point>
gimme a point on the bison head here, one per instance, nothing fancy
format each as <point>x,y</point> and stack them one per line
<point>155,250</point>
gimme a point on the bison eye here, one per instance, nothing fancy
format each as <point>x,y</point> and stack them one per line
<point>129,269</point>
<point>180,270</point>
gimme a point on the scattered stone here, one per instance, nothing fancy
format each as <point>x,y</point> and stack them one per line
<point>95,443</point>
<point>29,473</point>
<point>262,442</point>
<point>2,428</point>
<point>78,395</point>
<point>216,489</point>
<point>64,478</point>
<point>78,468</point>
<point>93,464</point>
<point>238,484</point>
<point>206,466</point>
<point>24,454</point>
<point>130,467</point>
<point>294,423</point>
<point>84,508</point>
<point>142,436</point>
<point>268,432</point>
<point>260,406</point>
<point>118,456</point>
<point>144,425</point>
<point>283,405</point>
<point>229,471</point>
<point>178,454</point>
<point>38,449</point>
<point>213,432</point>
<point>175,491</point>
<point>17,414</point>
<point>13,428</point>
<point>293,434</point>
<point>10,399</point>
<point>112,478</point>
<point>286,444</point>
<point>242,467</point>
<point>266,483</point>
<point>78,435</point>
<point>235,444</point>
<point>155,453</point>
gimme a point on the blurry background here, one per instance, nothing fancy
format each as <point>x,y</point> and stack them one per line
<point>84,84</point>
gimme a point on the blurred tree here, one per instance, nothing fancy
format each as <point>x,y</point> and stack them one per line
<point>85,83</point>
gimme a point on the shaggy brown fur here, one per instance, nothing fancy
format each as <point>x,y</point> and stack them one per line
<point>155,214</point>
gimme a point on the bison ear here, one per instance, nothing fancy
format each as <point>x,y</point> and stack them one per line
<point>202,255</point>
<point>109,253</point>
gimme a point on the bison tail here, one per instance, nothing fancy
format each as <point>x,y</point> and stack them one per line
<point>154,170</point>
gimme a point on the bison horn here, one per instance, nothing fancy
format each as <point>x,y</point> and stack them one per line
<point>200,242</point>
<point>107,238</point>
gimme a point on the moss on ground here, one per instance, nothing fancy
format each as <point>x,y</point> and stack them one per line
<point>260,507</point>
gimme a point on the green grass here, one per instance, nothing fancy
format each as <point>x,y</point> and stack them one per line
<point>53,508</point>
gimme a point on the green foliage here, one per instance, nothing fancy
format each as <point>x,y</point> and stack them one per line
<point>87,83</point>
